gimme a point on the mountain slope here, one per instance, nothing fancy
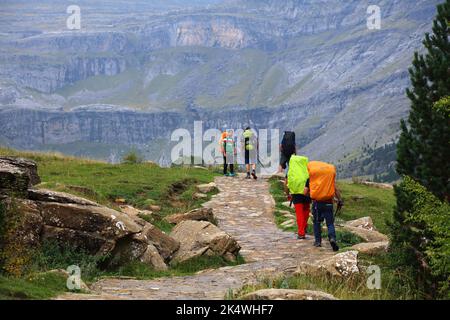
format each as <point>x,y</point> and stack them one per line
<point>311,66</point>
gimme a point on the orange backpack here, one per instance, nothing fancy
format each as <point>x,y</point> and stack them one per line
<point>322,177</point>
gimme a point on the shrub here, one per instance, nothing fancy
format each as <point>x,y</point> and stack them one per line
<point>14,255</point>
<point>52,255</point>
<point>132,157</point>
<point>421,237</point>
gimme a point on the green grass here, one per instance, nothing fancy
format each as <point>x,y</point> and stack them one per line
<point>38,286</point>
<point>353,288</point>
<point>362,201</point>
<point>170,188</point>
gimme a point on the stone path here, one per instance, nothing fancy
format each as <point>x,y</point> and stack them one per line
<point>244,209</point>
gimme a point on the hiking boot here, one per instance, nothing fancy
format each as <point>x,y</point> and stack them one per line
<point>317,244</point>
<point>334,245</point>
<point>232,174</point>
<point>254,175</point>
<point>299,237</point>
<point>248,176</point>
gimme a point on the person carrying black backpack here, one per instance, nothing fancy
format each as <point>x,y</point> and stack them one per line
<point>287,149</point>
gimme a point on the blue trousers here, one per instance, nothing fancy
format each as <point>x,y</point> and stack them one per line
<point>323,211</point>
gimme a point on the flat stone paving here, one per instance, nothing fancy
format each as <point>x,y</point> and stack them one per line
<point>244,208</point>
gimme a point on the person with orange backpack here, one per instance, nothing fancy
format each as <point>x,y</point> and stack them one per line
<point>297,184</point>
<point>323,191</point>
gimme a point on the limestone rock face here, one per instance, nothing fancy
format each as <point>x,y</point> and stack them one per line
<point>199,238</point>
<point>341,265</point>
<point>287,294</point>
<point>17,174</point>
<point>200,214</point>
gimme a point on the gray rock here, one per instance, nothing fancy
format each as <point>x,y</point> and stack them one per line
<point>199,238</point>
<point>340,265</point>
<point>200,214</point>
<point>287,294</point>
<point>17,174</point>
<point>60,197</point>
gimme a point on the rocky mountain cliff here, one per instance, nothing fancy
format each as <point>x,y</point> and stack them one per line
<point>138,70</point>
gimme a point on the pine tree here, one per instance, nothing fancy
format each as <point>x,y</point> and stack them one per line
<point>422,155</point>
<point>423,148</point>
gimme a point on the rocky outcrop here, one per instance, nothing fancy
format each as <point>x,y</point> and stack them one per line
<point>206,188</point>
<point>201,238</point>
<point>200,214</point>
<point>364,228</point>
<point>371,248</point>
<point>340,265</point>
<point>364,223</point>
<point>287,294</point>
<point>17,174</point>
<point>45,215</point>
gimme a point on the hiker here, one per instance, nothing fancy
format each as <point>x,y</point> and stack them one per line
<point>287,149</point>
<point>228,148</point>
<point>223,137</point>
<point>323,192</point>
<point>251,150</point>
<point>297,184</point>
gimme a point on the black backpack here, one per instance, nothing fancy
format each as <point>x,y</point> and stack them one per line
<point>288,143</point>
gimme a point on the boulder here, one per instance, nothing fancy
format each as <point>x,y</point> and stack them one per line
<point>17,174</point>
<point>200,214</point>
<point>206,188</point>
<point>340,265</point>
<point>154,207</point>
<point>45,195</point>
<point>199,238</point>
<point>133,212</point>
<point>199,196</point>
<point>129,248</point>
<point>30,223</point>
<point>79,240</point>
<point>371,248</point>
<point>165,244</point>
<point>101,221</point>
<point>152,258</point>
<point>287,294</point>
<point>367,235</point>
<point>365,223</point>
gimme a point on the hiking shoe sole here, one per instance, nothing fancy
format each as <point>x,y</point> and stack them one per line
<point>254,176</point>
<point>334,246</point>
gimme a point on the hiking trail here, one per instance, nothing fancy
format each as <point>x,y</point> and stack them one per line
<point>244,209</point>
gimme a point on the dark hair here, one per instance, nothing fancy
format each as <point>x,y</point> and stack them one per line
<point>248,128</point>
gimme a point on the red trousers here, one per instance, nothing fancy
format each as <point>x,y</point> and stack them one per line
<point>302,212</point>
